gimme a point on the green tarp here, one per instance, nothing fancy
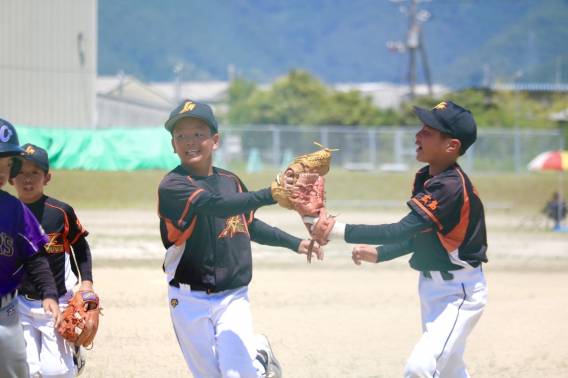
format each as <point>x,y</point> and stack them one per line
<point>116,149</point>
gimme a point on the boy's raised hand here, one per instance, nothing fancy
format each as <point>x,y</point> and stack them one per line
<point>317,249</point>
<point>364,252</point>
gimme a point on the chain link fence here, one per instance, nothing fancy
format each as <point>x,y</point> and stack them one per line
<point>375,149</point>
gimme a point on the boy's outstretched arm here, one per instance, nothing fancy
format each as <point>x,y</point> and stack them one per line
<point>264,234</point>
<point>394,233</point>
<point>367,253</point>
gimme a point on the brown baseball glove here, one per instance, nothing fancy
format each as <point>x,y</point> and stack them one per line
<point>307,197</point>
<point>81,318</point>
<point>317,162</point>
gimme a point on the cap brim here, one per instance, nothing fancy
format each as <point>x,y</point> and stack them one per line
<point>172,121</point>
<point>428,118</point>
<point>39,164</point>
<point>9,150</point>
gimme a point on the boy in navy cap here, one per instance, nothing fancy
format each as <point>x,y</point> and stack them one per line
<point>207,224</point>
<point>49,355</point>
<point>21,246</point>
<point>445,231</point>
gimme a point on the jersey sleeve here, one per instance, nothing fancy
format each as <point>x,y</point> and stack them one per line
<point>439,202</point>
<point>30,236</point>
<point>176,200</point>
<point>76,229</point>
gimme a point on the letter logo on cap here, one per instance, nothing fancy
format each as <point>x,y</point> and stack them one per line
<point>5,133</point>
<point>441,105</point>
<point>30,150</point>
<point>187,107</point>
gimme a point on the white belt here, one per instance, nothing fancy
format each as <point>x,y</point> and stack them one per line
<point>6,299</point>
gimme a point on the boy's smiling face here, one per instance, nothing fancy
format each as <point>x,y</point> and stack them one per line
<point>434,146</point>
<point>5,167</point>
<point>30,181</point>
<point>194,143</point>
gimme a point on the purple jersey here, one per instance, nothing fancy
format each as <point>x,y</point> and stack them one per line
<point>20,237</point>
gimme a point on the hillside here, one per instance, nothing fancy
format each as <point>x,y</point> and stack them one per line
<point>339,41</point>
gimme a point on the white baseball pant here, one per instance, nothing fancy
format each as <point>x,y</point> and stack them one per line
<point>215,332</point>
<point>450,310</point>
<point>49,354</point>
<point>12,345</point>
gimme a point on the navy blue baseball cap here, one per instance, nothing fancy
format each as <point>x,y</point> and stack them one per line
<point>190,108</point>
<point>9,143</point>
<point>451,119</point>
<point>37,155</point>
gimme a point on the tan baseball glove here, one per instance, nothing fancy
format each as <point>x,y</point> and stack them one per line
<point>308,199</point>
<point>81,318</point>
<point>317,162</point>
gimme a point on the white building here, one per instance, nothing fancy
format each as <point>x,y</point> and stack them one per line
<point>48,62</point>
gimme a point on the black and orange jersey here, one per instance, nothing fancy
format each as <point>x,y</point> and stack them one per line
<point>64,230</point>
<point>450,204</point>
<point>214,216</point>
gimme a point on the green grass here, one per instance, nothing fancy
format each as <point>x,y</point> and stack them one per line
<point>137,190</point>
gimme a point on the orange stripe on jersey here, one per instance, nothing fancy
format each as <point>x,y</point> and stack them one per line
<point>64,236</point>
<point>428,213</point>
<point>188,203</point>
<point>175,235</point>
<point>77,237</point>
<point>251,217</point>
<point>236,179</point>
<point>455,238</point>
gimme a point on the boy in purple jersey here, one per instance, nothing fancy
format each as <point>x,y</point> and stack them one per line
<point>445,231</point>
<point>21,250</point>
<point>49,355</point>
<point>207,224</point>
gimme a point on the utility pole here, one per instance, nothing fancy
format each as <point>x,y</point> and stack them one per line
<point>414,41</point>
<point>178,70</point>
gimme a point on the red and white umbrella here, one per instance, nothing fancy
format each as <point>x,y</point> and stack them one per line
<point>552,161</point>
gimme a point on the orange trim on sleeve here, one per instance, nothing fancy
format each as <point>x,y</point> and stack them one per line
<point>77,237</point>
<point>188,203</point>
<point>176,236</point>
<point>236,179</point>
<point>66,232</point>
<point>455,238</point>
<point>428,213</point>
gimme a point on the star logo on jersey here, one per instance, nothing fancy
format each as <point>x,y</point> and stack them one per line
<point>440,106</point>
<point>11,310</point>
<point>174,303</point>
<point>52,246</point>
<point>6,245</point>
<point>234,224</point>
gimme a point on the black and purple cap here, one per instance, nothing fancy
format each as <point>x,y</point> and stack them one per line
<point>10,147</point>
<point>37,155</point>
<point>190,108</point>
<point>451,119</point>
<point>9,143</point>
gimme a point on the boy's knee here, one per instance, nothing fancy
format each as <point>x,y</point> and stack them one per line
<point>420,366</point>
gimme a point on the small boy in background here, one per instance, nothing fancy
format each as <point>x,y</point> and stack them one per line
<point>49,355</point>
<point>22,243</point>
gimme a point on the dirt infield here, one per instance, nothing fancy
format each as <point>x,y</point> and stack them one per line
<point>332,318</point>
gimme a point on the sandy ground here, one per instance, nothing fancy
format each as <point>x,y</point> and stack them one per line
<point>332,318</point>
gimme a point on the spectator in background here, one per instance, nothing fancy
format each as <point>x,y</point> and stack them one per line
<point>555,210</point>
